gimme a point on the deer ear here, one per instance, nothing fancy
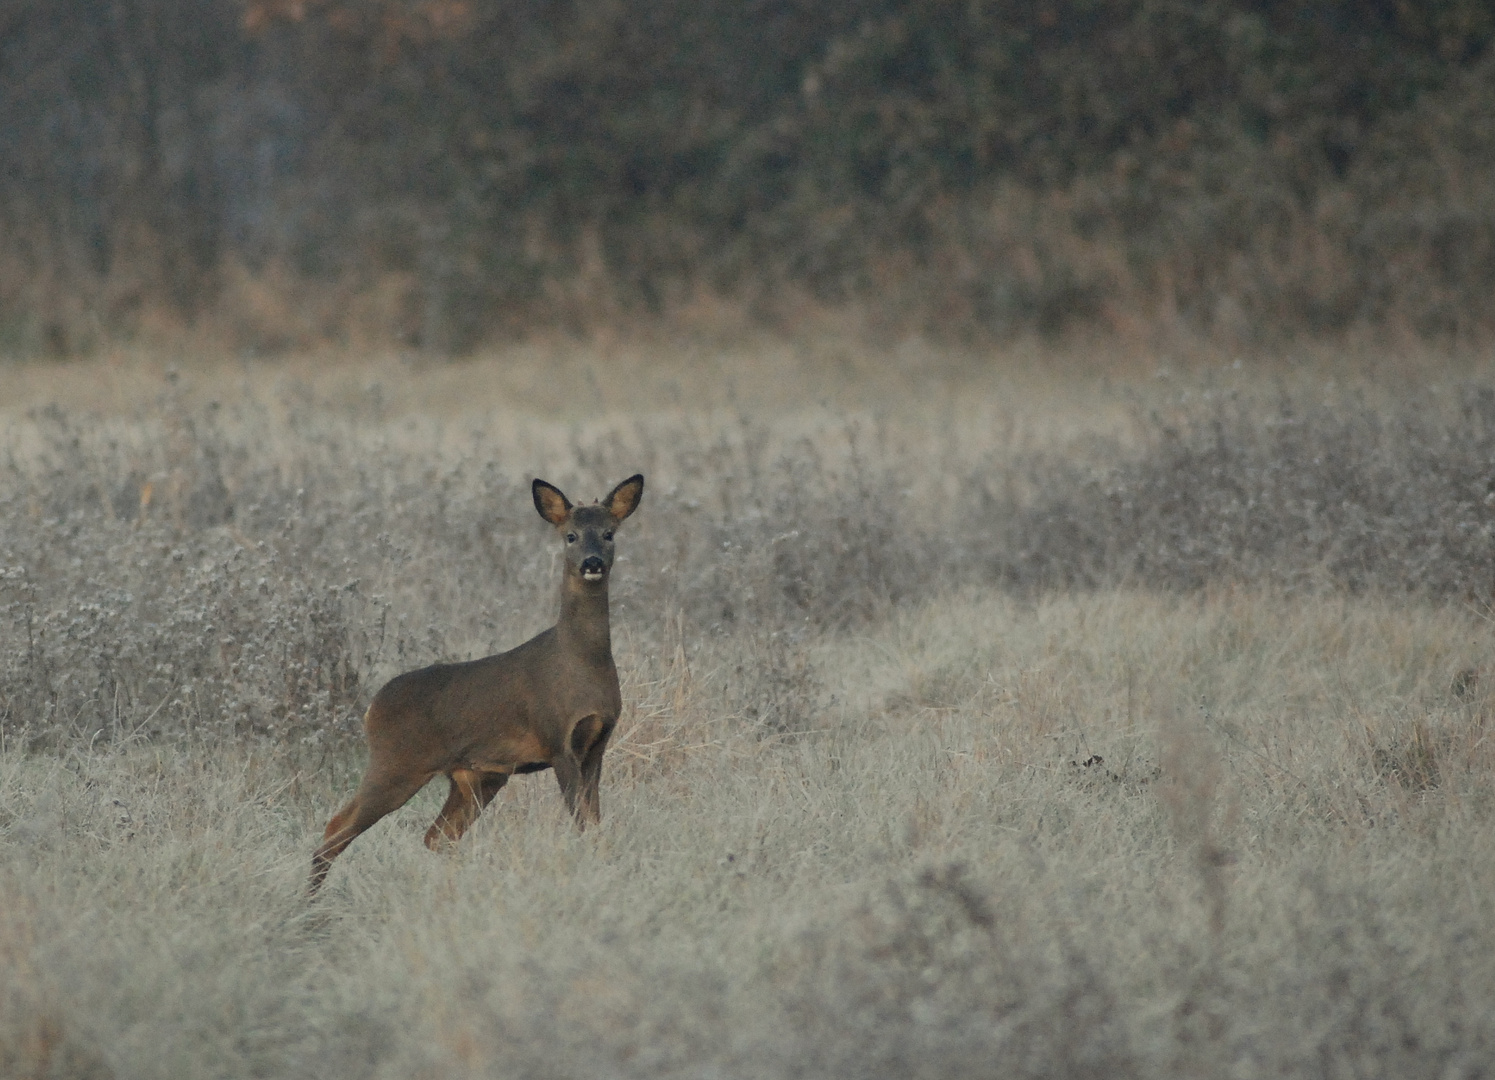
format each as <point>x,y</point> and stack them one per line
<point>624,499</point>
<point>554,507</point>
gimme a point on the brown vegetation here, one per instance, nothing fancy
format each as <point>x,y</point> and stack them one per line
<point>280,175</point>
<point>915,774</point>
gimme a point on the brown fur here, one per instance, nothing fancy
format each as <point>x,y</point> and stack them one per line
<point>550,703</point>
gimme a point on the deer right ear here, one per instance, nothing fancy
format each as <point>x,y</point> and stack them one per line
<point>554,507</point>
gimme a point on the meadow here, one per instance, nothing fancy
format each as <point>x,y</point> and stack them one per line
<point>1018,716</point>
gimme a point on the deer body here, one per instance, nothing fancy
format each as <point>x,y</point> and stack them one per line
<point>549,703</point>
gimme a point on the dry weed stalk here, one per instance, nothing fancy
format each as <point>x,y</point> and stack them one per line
<point>667,718</point>
<point>1191,789</point>
<point>38,1038</point>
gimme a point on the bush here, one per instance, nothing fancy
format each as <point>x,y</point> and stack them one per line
<point>1341,495</point>
<point>438,174</point>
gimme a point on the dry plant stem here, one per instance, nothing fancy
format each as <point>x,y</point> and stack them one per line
<point>1190,786</point>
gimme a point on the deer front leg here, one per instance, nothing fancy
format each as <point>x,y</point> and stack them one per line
<point>579,768</point>
<point>568,776</point>
<point>591,774</point>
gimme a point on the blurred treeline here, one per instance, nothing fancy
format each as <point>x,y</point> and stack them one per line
<point>443,172</point>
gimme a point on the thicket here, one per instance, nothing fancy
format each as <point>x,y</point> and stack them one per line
<point>1300,494</point>
<point>437,172</point>
<point>222,573</point>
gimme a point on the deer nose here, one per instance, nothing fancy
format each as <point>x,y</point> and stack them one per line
<point>592,568</point>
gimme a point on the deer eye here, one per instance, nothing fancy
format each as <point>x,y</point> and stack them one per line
<point>607,535</point>
<point>570,538</point>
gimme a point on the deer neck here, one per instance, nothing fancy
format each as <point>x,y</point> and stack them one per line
<point>583,627</point>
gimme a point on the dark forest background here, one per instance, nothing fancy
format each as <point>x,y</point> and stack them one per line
<point>444,173</point>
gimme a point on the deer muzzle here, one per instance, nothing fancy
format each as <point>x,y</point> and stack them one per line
<point>593,568</point>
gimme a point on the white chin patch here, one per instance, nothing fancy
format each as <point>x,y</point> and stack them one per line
<point>591,575</point>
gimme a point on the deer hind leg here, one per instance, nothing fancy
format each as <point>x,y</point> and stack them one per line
<point>377,796</point>
<point>471,792</point>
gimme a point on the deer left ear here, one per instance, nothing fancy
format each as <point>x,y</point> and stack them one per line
<point>624,499</point>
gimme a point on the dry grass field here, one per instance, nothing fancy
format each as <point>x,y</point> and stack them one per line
<point>997,720</point>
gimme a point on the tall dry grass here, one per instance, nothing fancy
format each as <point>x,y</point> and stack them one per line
<point>877,805</point>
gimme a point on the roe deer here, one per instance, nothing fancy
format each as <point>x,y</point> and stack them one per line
<point>550,703</point>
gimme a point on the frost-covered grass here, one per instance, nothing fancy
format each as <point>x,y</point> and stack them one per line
<point>918,774</point>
